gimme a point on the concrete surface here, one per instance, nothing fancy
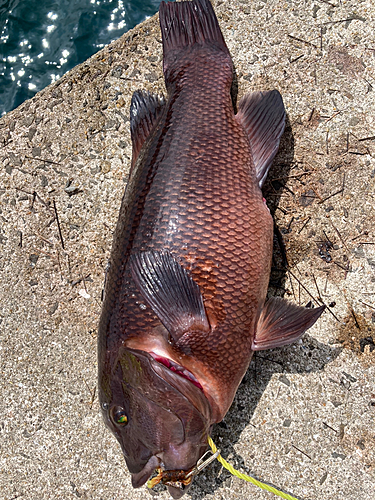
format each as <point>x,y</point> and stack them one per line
<point>303,418</point>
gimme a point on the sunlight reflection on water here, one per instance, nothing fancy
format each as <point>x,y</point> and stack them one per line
<point>42,40</point>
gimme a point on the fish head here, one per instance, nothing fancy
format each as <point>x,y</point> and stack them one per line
<point>159,418</point>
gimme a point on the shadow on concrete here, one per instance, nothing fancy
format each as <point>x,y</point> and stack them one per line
<point>273,191</point>
<point>311,356</point>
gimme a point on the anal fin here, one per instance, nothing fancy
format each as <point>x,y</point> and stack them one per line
<point>262,114</point>
<point>282,323</point>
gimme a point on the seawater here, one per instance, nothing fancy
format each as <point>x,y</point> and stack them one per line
<point>41,40</point>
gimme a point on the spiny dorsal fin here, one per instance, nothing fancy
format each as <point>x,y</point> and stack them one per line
<point>262,114</point>
<point>282,323</point>
<point>170,292</point>
<point>145,109</point>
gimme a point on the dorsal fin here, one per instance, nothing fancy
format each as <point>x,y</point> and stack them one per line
<point>262,114</point>
<point>145,109</point>
<point>282,323</point>
<point>170,292</point>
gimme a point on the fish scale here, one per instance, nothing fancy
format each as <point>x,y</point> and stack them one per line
<point>222,165</point>
<point>210,226</point>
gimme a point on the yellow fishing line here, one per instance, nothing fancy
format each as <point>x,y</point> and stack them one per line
<point>249,479</point>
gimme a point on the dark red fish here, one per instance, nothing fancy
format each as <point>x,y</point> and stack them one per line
<point>185,296</point>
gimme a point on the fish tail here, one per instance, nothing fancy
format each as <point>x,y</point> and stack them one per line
<point>186,26</point>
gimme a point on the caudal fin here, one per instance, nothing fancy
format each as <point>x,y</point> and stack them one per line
<point>185,24</point>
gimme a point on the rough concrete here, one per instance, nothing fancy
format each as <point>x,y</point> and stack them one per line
<point>303,418</point>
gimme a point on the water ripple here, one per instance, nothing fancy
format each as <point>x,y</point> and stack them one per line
<point>42,40</point>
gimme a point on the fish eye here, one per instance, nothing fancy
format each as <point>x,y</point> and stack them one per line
<point>118,416</point>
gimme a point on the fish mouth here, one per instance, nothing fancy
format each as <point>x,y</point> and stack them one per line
<point>140,478</point>
<point>176,368</point>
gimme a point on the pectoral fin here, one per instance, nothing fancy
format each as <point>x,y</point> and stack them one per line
<point>282,323</point>
<point>170,292</point>
<point>262,114</point>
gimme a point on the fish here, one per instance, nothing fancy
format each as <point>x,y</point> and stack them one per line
<point>185,298</point>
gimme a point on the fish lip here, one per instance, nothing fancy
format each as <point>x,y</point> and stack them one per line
<point>140,478</point>
<point>177,492</point>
